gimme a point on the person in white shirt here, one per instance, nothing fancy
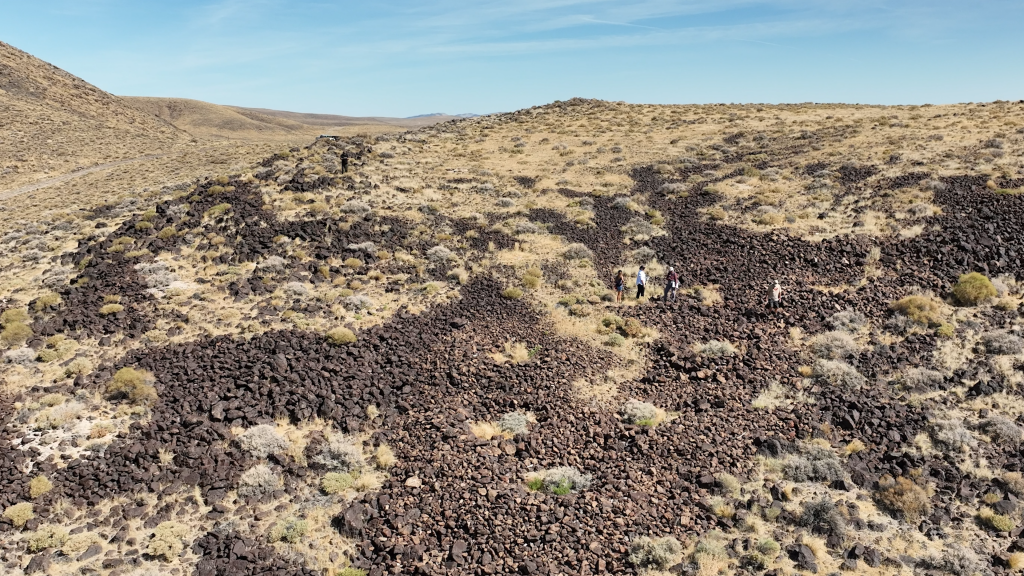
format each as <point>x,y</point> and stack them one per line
<point>775,298</point>
<point>641,282</point>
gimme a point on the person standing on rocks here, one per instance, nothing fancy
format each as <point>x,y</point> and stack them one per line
<point>775,297</point>
<point>620,286</point>
<point>671,284</point>
<point>344,162</point>
<point>641,283</point>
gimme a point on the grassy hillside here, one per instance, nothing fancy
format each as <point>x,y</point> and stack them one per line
<point>52,122</point>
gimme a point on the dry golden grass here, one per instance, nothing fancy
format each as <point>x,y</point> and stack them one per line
<point>487,430</point>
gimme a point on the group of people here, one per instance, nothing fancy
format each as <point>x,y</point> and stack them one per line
<point>672,287</point>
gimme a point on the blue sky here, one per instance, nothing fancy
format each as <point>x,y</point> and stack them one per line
<point>400,58</point>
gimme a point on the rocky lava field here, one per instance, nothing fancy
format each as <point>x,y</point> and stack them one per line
<point>873,425</point>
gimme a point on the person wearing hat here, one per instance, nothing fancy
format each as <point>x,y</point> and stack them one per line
<point>775,297</point>
<point>671,284</point>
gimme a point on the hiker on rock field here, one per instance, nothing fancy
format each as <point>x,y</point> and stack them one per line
<point>344,162</point>
<point>641,283</point>
<point>671,284</point>
<point>620,286</point>
<point>775,297</point>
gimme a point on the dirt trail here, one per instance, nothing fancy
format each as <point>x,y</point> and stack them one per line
<point>64,178</point>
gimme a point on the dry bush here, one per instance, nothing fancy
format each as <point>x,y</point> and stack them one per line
<point>674,188</point>
<point>728,483</point>
<point>1006,285</point>
<point>295,289</point>
<point>622,202</point>
<point>834,345</point>
<point>641,413</point>
<point>486,430</point>
<point>1014,482</point>
<point>78,367</point>
<point>341,454</point>
<point>838,373</point>
<point>515,352</point>
<point>46,301</point>
<point>822,516</point>
<point>1002,430</point>
<point>512,293</point>
<point>1001,343</point>
<point>47,536</point>
<point>721,507</point>
<point>340,336</point>
<point>561,480</point>
<point>922,310</point>
<point>847,321</point>
<point>272,265</point>
<point>526,227</point>
<point>997,522</point>
<point>717,349</point>
<point>58,416</point>
<point>168,540</point>
<point>38,486</point>
<point>973,289</point>
<point>108,309</point>
<point>956,560</point>
<point>578,252</point>
<point>14,316</point>
<point>156,274</point>
<point>515,423</point>
<point>290,530</point>
<point>922,378</point>
<point>854,446</point>
<point>20,356</point>
<point>951,435</point>
<point>217,210</point>
<point>715,214</point>
<point>641,229</point>
<point>710,555</point>
<point>262,441</point>
<point>439,254</point>
<point>15,334</point>
<point>134,385</point>
<point>772,397</point>
<point>458,275</point>
<point>532,278</point>
<point>815,464</point>
<point>384,456</point>
<point>78,543</point>
<point>642,256</point>
<point>19,513</point>
<point>367,247</point>
<point>903,498</point>
<point>354,207</point>
<point>357,302</point>
<point>336,482</point>
<point>258,481</point>
<point>655,553</point>
<point>615,340</point>
<point>51,400</point>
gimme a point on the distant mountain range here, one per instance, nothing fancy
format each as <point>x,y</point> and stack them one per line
<point>444,115</point>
